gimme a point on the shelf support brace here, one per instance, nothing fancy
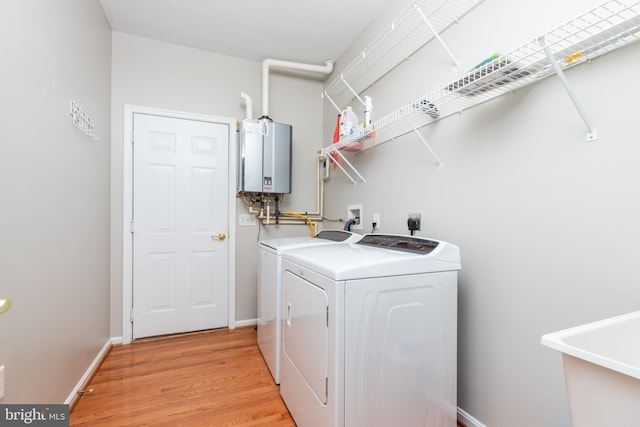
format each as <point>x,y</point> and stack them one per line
<point>326,95</point>
<point>437,36</point>
<point>351,89</point>
<point>426,144</point>
<point>328,154</point>
<point>592,134</point>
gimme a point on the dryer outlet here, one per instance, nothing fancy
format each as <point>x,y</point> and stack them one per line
<point>355,212</point>
<point>413,223</point>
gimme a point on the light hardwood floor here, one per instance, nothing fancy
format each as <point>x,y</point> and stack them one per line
<point>215,378</point>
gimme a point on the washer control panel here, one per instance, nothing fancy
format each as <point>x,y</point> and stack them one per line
<point>335,235</point>
<point>411,244</point>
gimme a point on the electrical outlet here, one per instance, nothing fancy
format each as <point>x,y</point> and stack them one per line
<point>1,382</point>
<point>355,212</point>
<point>376,220</point>
<point>413,223</point>
<point>247,220</point>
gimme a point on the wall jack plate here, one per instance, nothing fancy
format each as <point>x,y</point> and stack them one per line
<point>355,211</point>
<point>247,220</point>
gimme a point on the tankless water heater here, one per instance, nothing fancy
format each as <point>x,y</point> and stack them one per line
<point>264,157</point>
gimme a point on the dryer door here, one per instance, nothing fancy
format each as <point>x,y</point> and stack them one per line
<point>305,332</point>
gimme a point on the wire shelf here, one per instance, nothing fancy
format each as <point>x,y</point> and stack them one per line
<point>603,29</point>
<point>413,28</point>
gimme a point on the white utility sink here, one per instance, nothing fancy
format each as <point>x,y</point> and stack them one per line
<point>602,370</point>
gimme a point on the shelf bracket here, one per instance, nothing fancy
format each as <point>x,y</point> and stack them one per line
<point>353,169</point>
<point>350,88</point>
<point>326,95</point>
<point>426,144</point>
<point>592,134</point>
<point>437,36</point>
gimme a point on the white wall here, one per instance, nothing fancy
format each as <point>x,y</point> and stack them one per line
<point>54,183</point>
<point>547,223</point>
<point>156,74</point>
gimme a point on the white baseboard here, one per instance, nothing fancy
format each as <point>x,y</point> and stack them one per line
<point>90,370</point>
<point>466,418</point>
<point>116,340</point>
<point>247,322</point>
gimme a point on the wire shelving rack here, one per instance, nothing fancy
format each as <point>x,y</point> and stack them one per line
<point>612,25</point>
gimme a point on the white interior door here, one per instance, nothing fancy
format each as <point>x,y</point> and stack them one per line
<point>180,221</point>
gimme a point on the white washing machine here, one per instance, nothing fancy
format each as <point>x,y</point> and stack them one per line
<point>369,333</point>
<point>269,289</point>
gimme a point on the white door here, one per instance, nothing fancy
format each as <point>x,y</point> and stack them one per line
<point>180,221</point>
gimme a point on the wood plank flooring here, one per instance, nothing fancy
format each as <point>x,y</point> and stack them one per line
<point>214,378</point>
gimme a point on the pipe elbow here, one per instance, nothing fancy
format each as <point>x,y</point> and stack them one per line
<point>248,105</point>
<point>268,63</point>
<point>328,65</point>
<point>246,98</point>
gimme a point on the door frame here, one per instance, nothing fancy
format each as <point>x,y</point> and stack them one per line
<point>127,209</point>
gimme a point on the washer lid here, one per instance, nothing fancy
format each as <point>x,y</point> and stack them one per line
<point>324,237</point>
<point>348,261</point>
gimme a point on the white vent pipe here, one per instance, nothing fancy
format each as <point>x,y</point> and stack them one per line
<point>327,68</point>
<point>248,105</point>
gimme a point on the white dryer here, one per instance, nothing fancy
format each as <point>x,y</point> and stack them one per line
<point>369,335</point>
<point>269,289</point>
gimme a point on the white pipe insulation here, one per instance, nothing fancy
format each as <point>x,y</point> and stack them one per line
<point>267,64</point>
<point>248,105</point>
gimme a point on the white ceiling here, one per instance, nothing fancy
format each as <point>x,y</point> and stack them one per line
<point>309,31</point>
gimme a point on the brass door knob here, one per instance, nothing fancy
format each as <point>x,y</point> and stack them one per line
<point>219,236</point>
